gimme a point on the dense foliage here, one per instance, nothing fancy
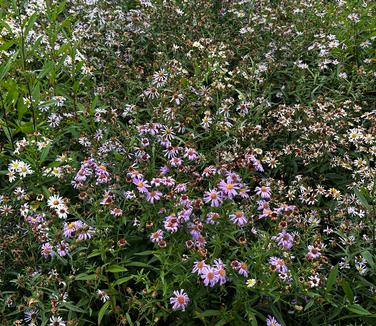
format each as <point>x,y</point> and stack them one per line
<point>187,162</point>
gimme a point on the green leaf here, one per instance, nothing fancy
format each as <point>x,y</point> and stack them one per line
<point>208,313</point>
<point>331,278</point>
<point>123,280</point>
<point>30,23</point>
<point>358,309</point>
<point>48,66</point>
<point>44,153</point>
<point>72,307</point>
<point>115,269</point>
<point>362,199</point>
<point>368,256</point>
<point>102,311</point>
<point>347,289</point>
<point>86,277</point>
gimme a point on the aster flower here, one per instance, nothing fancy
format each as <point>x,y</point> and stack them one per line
<point>221,271</point>
<point>213,197</point>
<point>47,250</point>
<point>278,264</point>
<point>190,153</point>
<point>251,283</point>
<point>68,230</point>
<point>271,321</point>
<point>199,267</point>
<point>152,196</point>
<point>313,252</point>
<point>156,236</point>
<point>263,191</point>
<point>238,218</point>
<point>228,188</point>
<point>284,239</point>
<point>210,276</point>
<point>55,201</point>
<point>57,321</point>
<point>141,184</point>
<point>103,296</point>
<point>243,269</point>
<point>62,248</point>
<point>180,300</point>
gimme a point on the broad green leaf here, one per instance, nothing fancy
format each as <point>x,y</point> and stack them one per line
<point>331,278</point>
<point>102,311</point>
<point>358,309</point>
<point>115,269</point>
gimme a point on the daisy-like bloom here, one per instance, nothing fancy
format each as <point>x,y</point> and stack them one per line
<point>31,316</point>
<point>212,218</point>
<point>228,188</point>
<point>160,77</point>
<point>116,211</point>
<point>221,272</point>
<point>171,223</point>
<point>55,201</point>
<point>284,239</point>
<point>213,197</point>
<point>251,283</point>
<point>141,184</point>
<point>68,230</point>
<point>85,232</point>
<point>271,321</point>
<point>24,169</point>
<point>199,267</point>
<point>103,295</point>
<point>243,191</point>
<point>209,171</point>
<point>278,264</point>
<point>152,196</point>
<point>62,212</point>
<point>57,321</point>
<point>238,218</point>
<point>15,166</point>
<point>210,276</point>
<point>156,236</point>
<point>47,250</point>
<point>243,269</point>
<point>263,191</point>
<point>313,253</point>
<point>314,281</point>
<point>180,300</point>
<point>62,248</point>
<point>190,153</point>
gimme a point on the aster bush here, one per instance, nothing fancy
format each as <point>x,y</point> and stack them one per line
<point>187,162</point>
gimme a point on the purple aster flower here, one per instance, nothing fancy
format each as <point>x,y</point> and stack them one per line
<point>228,188</point>
<point>263,191</point>
<point>284,239</point>
<point>190,153</point>
<point>47,250</point>
<point>278,264</point>
<point>180,300</point>
<point>210,276</point>
<point>171,223</point>
<point>141,184</point>
<point>238,218</point>
<point>152,196</point>
<point>199,267</point>
<point>156,236</point>
<point>68,230</point>
<point>271,321</point>
<point>221,272</point>
<point>62,248</point>
<point>243,269</point>
<point>213,197</point>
